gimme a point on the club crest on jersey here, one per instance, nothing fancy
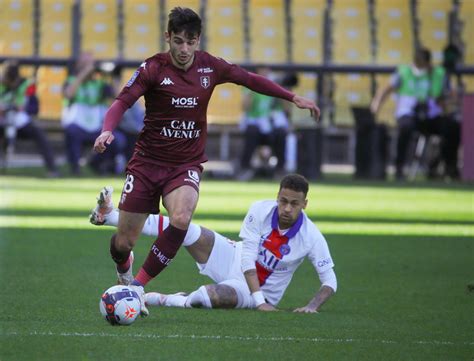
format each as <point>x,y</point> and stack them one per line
<point>285,249</point>
<point>205,81</point>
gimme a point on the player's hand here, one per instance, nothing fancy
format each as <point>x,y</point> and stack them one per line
<point>266,307</point>
<point>304,103</point>
<point>103,140</point>
<point>305,309</point>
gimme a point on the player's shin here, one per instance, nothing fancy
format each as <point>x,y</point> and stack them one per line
<point>121,258</point>
<point>161,254</point>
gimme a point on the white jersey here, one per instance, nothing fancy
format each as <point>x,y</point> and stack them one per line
<point>275,268</point>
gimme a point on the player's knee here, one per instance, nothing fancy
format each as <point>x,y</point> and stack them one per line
<point>181,219</point>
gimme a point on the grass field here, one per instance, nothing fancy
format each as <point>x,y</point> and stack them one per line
<point>404,259</point>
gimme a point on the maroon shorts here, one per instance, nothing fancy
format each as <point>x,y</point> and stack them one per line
<point>146,183</point>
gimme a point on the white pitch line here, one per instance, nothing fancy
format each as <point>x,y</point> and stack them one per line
<point>232,338</point>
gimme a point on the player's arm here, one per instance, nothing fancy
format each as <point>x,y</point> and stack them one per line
<point>134,89</point>
<point>265,86</point>
<point>258,83</point>
<point>250,237</point>
<point>328,288</point>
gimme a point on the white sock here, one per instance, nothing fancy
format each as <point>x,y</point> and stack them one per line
<point>176,300</point>
<point>199,298</point>
<point>111,219</point>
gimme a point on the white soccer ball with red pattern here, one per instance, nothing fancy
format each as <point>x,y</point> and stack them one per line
<point>120,305</point>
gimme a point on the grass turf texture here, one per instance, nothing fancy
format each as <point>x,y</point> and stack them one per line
<point>404,258</point>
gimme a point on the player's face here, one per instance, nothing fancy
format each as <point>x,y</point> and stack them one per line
<point>290,204</point>
<point>182,49</point>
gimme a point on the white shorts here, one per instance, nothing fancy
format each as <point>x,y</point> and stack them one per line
<point>224,267</point>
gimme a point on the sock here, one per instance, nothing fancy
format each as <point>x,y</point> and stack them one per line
<point>176,300</point>
<point>122,259</point>
<point>161,254</point>
<point>199,298</point>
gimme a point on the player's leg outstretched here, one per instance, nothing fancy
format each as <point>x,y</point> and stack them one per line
<point>209,296</point>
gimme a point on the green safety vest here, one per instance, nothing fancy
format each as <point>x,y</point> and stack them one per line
<point>16,97</point>
<point>260,105</point>
<point>90,92</point>
<point>429,85</point>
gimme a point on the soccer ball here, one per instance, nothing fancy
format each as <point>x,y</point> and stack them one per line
<point>120,305</point>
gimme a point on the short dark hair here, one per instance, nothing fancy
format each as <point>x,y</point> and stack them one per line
<point>11,70</point>
<point>295,182</point>
<point>423,54</point>
<point>184,19</point>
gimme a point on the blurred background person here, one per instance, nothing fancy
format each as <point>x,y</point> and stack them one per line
<point>19,106</point>
<point>265,127</point>
<point>87,96</point>
<point>421,89</point>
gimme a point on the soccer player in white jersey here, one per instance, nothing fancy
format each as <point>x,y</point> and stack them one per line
<point>277,236</point>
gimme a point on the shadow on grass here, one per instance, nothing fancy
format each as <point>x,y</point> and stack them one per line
<point>332,179</point>
<point>200,216</point>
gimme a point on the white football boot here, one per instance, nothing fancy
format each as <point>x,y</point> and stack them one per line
<point>141,294</point>
<point>160,299</point>
<point>104,206</point>
<point>127,277</point>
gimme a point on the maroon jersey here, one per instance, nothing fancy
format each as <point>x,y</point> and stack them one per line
<point>175,128</point>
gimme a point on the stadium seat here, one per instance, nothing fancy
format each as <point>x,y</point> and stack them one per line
<point>468,83</point>
<point>27,71</point>
<point>394,32</point>
<point>55,31</point>
<point>267,31</point>
<point>466,14</point>
<point>350,90</point>
<point>224,30</point>
<point>99,28</point>
<point>225,106</point>
<point>433,16</point>
<point>50,81</point>
<point>307,88</point>
<point>307,20</point>
<point>351,42</point>
<point>16,20</point>
<point>142,33</point>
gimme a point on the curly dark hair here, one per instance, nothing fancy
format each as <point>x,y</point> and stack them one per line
<point>295,182</point>
<point>184,19</point>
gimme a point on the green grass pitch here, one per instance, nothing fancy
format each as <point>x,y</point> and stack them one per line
<point>404,258</point>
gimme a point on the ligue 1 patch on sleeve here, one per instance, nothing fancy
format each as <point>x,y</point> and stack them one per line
<point>132,79</point>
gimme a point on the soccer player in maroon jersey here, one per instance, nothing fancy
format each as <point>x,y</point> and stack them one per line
<point>167,159</point>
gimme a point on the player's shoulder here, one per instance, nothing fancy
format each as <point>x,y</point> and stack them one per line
<point>155,61</point>
<point>204,57</point>
<point>310,230</point>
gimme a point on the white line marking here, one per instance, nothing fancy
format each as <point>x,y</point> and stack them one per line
<point>232,338</point>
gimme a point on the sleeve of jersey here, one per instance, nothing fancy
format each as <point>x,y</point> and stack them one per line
<point>249,233</point>
<point>114,115</point>
<point>134,89</point>
<point>231,73</point>
<point>319,255</point>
